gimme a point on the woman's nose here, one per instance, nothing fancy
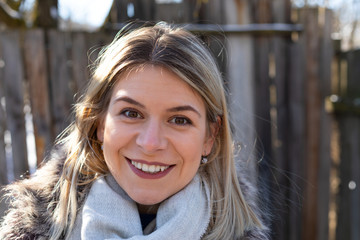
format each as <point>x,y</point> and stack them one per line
<point>151,137</point>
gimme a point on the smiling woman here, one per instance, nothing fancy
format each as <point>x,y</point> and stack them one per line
<point>160,138</point>
<point>149,155</point>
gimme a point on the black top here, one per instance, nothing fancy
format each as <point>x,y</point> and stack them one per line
<point>146,219</point>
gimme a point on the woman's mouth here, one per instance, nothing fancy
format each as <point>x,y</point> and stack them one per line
<point>149,168</point>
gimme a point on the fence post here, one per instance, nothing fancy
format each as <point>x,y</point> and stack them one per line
<point>60,82</point>
<point>3,164</point>
<point>318,49</point>
<point>287,118</point>
<point>36,72</point>
<point>14,96</point>
<point>348,212</point>
<point>295,134</point>
<point>240,82</point>
<point>325,75</point>
<point>80,71</point>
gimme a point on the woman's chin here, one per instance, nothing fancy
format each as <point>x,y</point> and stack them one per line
<point>147,201</point>
<point>146,196</point>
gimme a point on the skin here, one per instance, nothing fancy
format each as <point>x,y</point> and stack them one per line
<point>154,117</point>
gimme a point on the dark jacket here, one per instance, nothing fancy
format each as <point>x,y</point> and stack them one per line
<point>30,212</point>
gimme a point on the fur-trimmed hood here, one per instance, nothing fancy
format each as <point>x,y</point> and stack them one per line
<point>30,212</point>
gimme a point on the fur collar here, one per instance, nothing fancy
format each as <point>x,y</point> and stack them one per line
<point>29,214</point>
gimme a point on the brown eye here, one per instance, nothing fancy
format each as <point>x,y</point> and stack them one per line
<point>131,114</point>
<point>180,121</point>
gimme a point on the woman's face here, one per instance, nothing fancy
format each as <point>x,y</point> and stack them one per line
<point>154,134</point>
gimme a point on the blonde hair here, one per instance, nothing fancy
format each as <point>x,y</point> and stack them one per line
<point>185,55</point>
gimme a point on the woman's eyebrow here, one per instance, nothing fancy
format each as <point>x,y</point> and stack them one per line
<point>173,109</point>
<point>184,108</point>
<point>129,100</point>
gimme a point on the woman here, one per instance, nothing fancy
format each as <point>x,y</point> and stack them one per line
<point>149,156</point>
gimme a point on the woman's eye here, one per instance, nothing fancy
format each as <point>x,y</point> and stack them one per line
<point>131,114</point>
<point>180,121</point>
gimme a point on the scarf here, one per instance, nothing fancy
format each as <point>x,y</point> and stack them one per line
<point>109,213</point>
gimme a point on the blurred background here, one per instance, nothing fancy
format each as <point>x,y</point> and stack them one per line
<point>291,68</point>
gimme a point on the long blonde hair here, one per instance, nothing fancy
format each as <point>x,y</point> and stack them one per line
<point>184,54</point>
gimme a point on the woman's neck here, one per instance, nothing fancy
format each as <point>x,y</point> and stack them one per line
<point>148,209</point>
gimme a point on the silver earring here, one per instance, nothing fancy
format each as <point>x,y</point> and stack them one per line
<point>102,147</point>
<point>204,160</point>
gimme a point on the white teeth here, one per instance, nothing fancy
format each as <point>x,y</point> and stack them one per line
<point>145,167</point>
<point>152,168</point>
<point>149,168</point>
<point>136,164</point>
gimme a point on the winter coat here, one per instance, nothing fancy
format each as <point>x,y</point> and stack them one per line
<point>30,212</point>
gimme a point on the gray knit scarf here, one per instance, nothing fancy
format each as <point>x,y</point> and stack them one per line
<point>109,213</point>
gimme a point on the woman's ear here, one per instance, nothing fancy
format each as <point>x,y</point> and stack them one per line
<point>100,131</point>
<point>213,132</point>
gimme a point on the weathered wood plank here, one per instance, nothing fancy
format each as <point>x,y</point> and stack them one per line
<point>144,9</point>
<point>348,211</point>
<point>349,192</point>
<point>353,86</point>
<point>325,64</point>
<point>80,71</point>
<point>214,12</point>
<point>296,138</point>
<point>182,12</point>
<point>278,64</point>
<point>36,72</point>
<point>240,82</point>
<point>13,87</point>
<point>354,137</point>
<point>263,126</point>
<point>3,164</point>
<point>60,82</point>
<point>313,123</point>
<point>281,10</point>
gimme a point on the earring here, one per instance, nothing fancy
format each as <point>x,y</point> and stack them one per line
<point>204,160</point>
<point>102,147</point>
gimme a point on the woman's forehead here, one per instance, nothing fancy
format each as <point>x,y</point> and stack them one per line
<point>155,84</point>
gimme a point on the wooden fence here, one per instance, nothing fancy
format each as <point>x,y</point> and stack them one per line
<point>345,105</point>
<point>277,85</point>
<point>44,71</point>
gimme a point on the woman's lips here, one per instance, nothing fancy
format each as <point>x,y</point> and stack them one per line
<point>153,170</point>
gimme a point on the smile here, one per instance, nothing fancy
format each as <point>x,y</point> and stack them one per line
<point>149,168</point>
